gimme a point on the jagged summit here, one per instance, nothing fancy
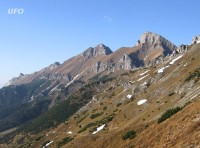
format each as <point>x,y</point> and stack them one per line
<point>196,40</point>
<point>99,94</point>
<point>21,74</point>
<point>150,38</point>
<point>100,49</point>
<point>150,48</point>
<point>55,64</point>
<point>152,41</point>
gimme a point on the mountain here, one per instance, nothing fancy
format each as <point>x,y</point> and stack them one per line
<point>100,59</point>
<point>109,99</point>
<point>68,70</point>
<point>148,50</point>
<point>196,40</point>
<point>155,106</point>
<point>155,46</point>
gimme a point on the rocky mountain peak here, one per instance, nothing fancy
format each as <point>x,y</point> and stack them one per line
<point>196,40</point>
<point>149,38</point>
<point>52,66</point>
<point>151,41</point>
<point>21,74</point>
<point>100,49</point>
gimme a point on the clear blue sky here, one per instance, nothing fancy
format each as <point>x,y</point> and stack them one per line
<point>55,30</point>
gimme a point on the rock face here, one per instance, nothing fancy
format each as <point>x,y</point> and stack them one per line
<point>152,41</point>
<point>100,49</point>
<point>125,62</point>
<point>182,48</point>
<point>150,48</point>
<point>196,40</point>
<point>70,69</point>
<point>42,74</point>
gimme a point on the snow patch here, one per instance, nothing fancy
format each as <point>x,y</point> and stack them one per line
<point>141,102</point>
<point>55,88</point>
<point>99,129</point>
<point>47,144</point>
<point>145,58</point>
<point>162,69</point>
<point>129,96</point>
<point>32,98</point>
<point>70,132</point>
<point>46,89</point>
<point>174,60</point>
<point>72,81</point>
<point>142,77</point>
<point>144,73</point>
<point>185,64</point>
<point>132,82</point>
<point>145,83</point>
<point>42,85</point>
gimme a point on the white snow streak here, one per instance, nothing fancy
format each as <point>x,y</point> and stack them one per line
<point>54,88</point>
<point>32,98</point>
<point>141,102</point>
<point>174,60</point>
<point>47,144</point>
<point>144,73</point>
<point>162,69</point>
<point>142,77</point>
<point>99,129</point>
<point>145,83</point>
<point>70,132</point>
<point>72,81</point>
<point>129,96</point>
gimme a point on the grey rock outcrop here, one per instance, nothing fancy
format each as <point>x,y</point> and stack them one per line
<point>152,41</point>
<point>100,49</point>
<point>196,40</point>
<point>125,63</point>
<point>181,49</point>
<point>151,49</point>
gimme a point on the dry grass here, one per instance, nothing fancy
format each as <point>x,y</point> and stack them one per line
<point>181,130</point>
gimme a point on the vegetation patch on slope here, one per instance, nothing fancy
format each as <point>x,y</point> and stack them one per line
<point>195,74</point>
<point>168,113</point>
<point>129,135</point>
<point>100,122</point>
<point>93,116</point>
<point>64,141</point>
<point>60,112</point>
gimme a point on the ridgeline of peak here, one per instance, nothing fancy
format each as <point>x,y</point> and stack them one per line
<point>103,94</point>
<point>101,58</point>
<point>54,65</point>
<point>150,38</point>
<point>21,74</point>
<point>196,39</point>
<point>100,49</point>
<point>152,41</point>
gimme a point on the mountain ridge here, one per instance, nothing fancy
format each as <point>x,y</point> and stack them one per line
<point>101,58</point>
<point>120,100</point>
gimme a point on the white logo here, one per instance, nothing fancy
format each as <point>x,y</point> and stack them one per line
<point>15,11</point>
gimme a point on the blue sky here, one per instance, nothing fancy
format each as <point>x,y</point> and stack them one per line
<point>50,30</point>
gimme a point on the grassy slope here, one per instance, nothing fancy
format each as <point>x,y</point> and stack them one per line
<point>130,116</point>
